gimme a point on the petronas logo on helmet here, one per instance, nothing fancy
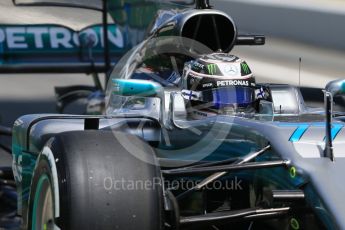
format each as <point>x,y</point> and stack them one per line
<point>212,69</point>
<point>245,68</point>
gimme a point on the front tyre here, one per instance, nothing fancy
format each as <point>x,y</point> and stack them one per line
<point>88,180</point>
<point>42,210</point>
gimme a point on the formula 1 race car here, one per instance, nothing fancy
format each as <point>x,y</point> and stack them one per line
<point>189,141</point>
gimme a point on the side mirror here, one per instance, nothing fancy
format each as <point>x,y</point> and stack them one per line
<point>140,88</point>
<point>336,87</point>
<point>332,89</point>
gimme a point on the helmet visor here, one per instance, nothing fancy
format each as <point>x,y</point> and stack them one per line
<point>228,96</point>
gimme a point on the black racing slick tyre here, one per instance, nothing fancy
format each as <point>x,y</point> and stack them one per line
<point>87,180</point>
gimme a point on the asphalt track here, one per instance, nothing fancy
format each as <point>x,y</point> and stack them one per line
<point>276,62</point>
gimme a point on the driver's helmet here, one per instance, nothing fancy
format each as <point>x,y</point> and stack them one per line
<point>218,83</point>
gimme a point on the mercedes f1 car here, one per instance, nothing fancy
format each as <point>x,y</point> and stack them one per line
<point>189,140</point>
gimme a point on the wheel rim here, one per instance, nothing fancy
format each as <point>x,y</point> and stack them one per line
<point>43,208</point>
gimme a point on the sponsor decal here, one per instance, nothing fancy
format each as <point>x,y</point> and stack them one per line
<point>260,93</point>
<point>206,85</point>
<point>231,70</point>
<point>293,172</point>
<point>47,37</point>
<point>233,82</point>
<point>294,224</point>
<point>245,68</point>
<point>198,65</point>
<point>212,69</point>
<point>190,94</point>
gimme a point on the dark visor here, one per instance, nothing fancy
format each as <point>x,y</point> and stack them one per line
<point>227,96</point>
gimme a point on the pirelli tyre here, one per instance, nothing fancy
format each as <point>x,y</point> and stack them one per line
<point>73,185</point>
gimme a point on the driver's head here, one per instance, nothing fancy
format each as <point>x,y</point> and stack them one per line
<point>217,83</point>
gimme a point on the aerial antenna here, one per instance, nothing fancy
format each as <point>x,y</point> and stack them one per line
<point>203,4</point>
<point>105,36</point>
<point>299,72</point>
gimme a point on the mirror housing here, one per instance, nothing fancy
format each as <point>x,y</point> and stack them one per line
<point>332,89</point>
<point>336,87</point>
<point>140,88</point>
